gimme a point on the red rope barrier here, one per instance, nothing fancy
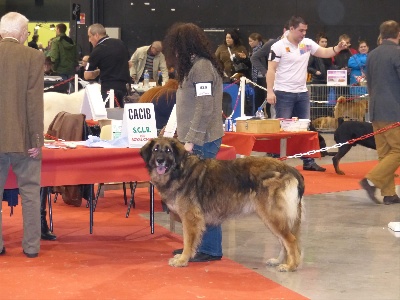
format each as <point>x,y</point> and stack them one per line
<point>352,141</point>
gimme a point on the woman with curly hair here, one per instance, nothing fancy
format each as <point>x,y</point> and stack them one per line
<point>198,108</point>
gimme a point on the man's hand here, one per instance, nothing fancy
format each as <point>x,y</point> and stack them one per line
<point>34,152</point>
<point>271,98</point>
<point>341,46</point>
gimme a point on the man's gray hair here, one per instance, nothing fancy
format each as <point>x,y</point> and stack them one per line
<point>97,29</point>
<point>12,24</point>
<point>157,45</point>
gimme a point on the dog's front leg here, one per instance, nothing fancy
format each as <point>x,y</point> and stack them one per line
<point>336,159</point>
<point>193,225</point>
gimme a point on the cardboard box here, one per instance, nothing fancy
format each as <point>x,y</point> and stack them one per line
<point>258,126</point>
<point>110,129</point>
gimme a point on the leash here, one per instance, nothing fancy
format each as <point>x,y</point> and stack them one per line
<point>349,142</point>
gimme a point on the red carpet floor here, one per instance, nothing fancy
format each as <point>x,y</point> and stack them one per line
<point>330,182</point>
<point>120,260</point>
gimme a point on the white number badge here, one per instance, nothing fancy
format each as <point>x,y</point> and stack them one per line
<point>203,89</point>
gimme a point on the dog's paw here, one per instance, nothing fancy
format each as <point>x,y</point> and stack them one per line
<point>285,268</point>
<point>273,262</point>
<point>176,261</point>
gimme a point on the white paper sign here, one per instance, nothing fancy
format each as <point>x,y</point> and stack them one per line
<point>203,89</point>
<point>170,128</point>
<point>139,123</point>
<point>336,77</point>
<point>93,106</point>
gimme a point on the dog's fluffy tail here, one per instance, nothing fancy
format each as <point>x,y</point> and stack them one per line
<point>294,196</point>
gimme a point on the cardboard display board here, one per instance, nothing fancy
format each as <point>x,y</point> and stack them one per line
<point>170,128</point>
<point>336,77</point>
<point>139,123</point>
<point>93,106</point>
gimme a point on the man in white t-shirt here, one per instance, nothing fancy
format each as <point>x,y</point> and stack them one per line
<point>287,73</point>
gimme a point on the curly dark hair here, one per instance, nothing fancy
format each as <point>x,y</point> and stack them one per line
<point>183,40</point>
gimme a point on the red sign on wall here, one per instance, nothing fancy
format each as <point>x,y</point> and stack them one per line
<point>81,19</point>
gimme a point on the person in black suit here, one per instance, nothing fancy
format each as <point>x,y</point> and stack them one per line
<point>33,42</point>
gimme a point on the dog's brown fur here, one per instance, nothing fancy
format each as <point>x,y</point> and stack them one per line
<point>325,123</point>
<point>351,109</point>
<point>209,191</point>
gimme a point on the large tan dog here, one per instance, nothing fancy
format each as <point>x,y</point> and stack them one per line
<point>209,191</point>
<point>353,110</point>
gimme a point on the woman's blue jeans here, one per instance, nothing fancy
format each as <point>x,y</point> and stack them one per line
<point>211,243</point>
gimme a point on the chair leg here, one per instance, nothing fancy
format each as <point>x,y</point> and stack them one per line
<point>96,198</point>
<point>124,188</point>
<point>132,200</point>
<point>55,197</point>
<point>50,209</point>
<point>133,188</point>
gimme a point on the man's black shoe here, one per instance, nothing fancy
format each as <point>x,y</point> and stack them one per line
<point>48,236</point>
<point>370,190</point>
<point>177,251</point>
<point>391,199</point>
<point>31,255</point>
<point>3,251</point>
<point>313,167</point>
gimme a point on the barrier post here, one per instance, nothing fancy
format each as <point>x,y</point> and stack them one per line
<point>111,99</point>
<point>76,83</point>
<point>242,91</point>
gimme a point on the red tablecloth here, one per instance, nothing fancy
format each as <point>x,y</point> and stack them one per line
<point>94,165</point>
<point>297,142</point>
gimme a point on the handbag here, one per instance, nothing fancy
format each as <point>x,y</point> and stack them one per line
<point>238,66</point>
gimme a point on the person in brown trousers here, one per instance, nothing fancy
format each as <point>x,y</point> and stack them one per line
<point>21,123</point>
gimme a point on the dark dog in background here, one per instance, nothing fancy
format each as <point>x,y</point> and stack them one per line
<point>346,131</point>
<point>209,191</point>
